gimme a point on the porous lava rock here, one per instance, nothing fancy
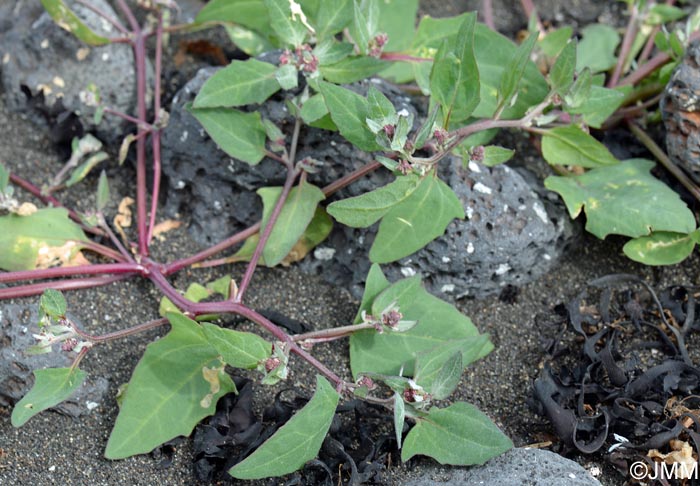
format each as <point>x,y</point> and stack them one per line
<point>681,112</point>
<point>45,68</point>
<point>18,323</point>
<point>514,230</point>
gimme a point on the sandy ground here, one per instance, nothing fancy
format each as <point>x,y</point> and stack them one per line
<point>54,449</point>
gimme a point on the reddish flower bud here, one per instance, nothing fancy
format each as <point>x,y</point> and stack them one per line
<point>391,318</point>
<point>69,344</point>
<point>477,153</point>
<point>272,363</point>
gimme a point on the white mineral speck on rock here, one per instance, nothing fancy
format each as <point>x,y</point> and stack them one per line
<point>92,405</point>
<point>474,167</point>
<point>407,271</point>
<point>547,256</point>
<point>479,187</point>
<point>361,240</point>
<point>105,56</point>
<point>470,247</point>
<point>403,112</point>
<point>470,212</point>
<point>522,207</point>
<point>502,268</point>
<point>6,58</point>
<point>217,205</point>
<point>446,259</point>
<point>44,44</point>
<point>52,469</point>
<point>184,135</point>
<point>180,184</point>
<point>324,253</point>
<point>447,288</point>
<point>572,475</point>
<point>540,212</point>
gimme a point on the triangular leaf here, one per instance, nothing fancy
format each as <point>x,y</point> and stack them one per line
<point>239,83</point>
<point>51,387</point>
<point>296,442</point>
<point>241,135</point>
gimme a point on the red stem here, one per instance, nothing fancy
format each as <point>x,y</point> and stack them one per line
<point>141,196</point>
<point>110,336</point>
<point>155,136</point>
<point>71,284</point>
<point>248,275</point>
<point>104,15</point>
<point>129,15</point>
<point>97,269</point>
<point>530,10</point>
<point>397,56</point>
<point>103,250</point>
<point>627,42</point>
<point>487,14</point>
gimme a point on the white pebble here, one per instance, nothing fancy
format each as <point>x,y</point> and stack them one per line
<point>474,167</point>
<point>479,187</point>
<point>540,212</point>
<point>446,259</point>
<point>470,247</point>
<point>407,271</point>
<point>92,405</point>
<point>447,288</point>
<point>324,253</point>
<point>502,268</point>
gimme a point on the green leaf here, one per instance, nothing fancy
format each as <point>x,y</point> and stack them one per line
<point>598,105</point>
<point>555,41</point>
<point>249,41</point>
<point>221,286</point>
<point>596,50</point>
<point>168,390</point>
<point>84,169</point>
<point>67,20</point>
<point>53,303</point>
<point>51,387</point>
<point>399,417</point>
<point>561,76</point>
<point>381,109</point>
<point>296,442</point>
<point>570,145</point>
<point>238,349</point>
<point>431,362</point>
<point>241,135</point>
<point>364,24</point>
<point>248,13</point>
<point>239,83</point>
<point>102,191</point>
<point>349,112</point>
<point>624,199</point>
<point>661,14</point>
<point>23,237</point>
<point>494,155</point>
<point>454,80</point>
<point>366,209</point>
<point>331,51</point>
<point>397,19</point>
<point>515,70</point>
<point>352,69</point>
<point>415,222</point>
<point>288,26</point>
<point>333,17</point>
<point>287,76</point>
<point>660,248</point>
<point>313,109</point>
<point>375,283</point>
<point>4,178</point>
<point>427,129</point>
<point>459,435</point>
<point>447,377</point>
<point>578,93</point>
<point>387,353</point>
<point>297,212</point>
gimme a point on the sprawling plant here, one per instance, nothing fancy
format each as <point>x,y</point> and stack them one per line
<point>408,349</point>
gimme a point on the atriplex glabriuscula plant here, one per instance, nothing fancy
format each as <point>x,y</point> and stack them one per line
<point>478,82</point>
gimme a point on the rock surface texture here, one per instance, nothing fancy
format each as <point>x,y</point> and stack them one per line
<point>518,466</point>
<point>681,112</point>
<point>17,324</point>
<point>44,69</point>
<point>513,233</point>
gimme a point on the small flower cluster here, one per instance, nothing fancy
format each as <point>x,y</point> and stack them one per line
<point>376,45</point>
<point>389,319</point>
<point>275,367</point>
<point>415,394</point>
<point>52,334</point>
<point>302,58</point>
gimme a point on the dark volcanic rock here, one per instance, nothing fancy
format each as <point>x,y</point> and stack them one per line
<point>44,69</point>
<point>681,112</point>
<point>17,324</point>
<point>511,236</point>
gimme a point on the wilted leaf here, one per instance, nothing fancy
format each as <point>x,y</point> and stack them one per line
<point>28,241</point>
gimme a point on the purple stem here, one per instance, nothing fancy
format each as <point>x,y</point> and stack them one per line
<point>627,42</point>
<point>126,10</point>
<point>652,65</point>
<point>103,250</point>
<point>71,284</point>
<point>248,275</point>
<point>397,56</point>
<point>129,118</point>
<point>141,196</point>
<point>530,10</point>
<point>110,336</point>
<point>97,269</point>
<point>487,14</point>
<point>155,136</point>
